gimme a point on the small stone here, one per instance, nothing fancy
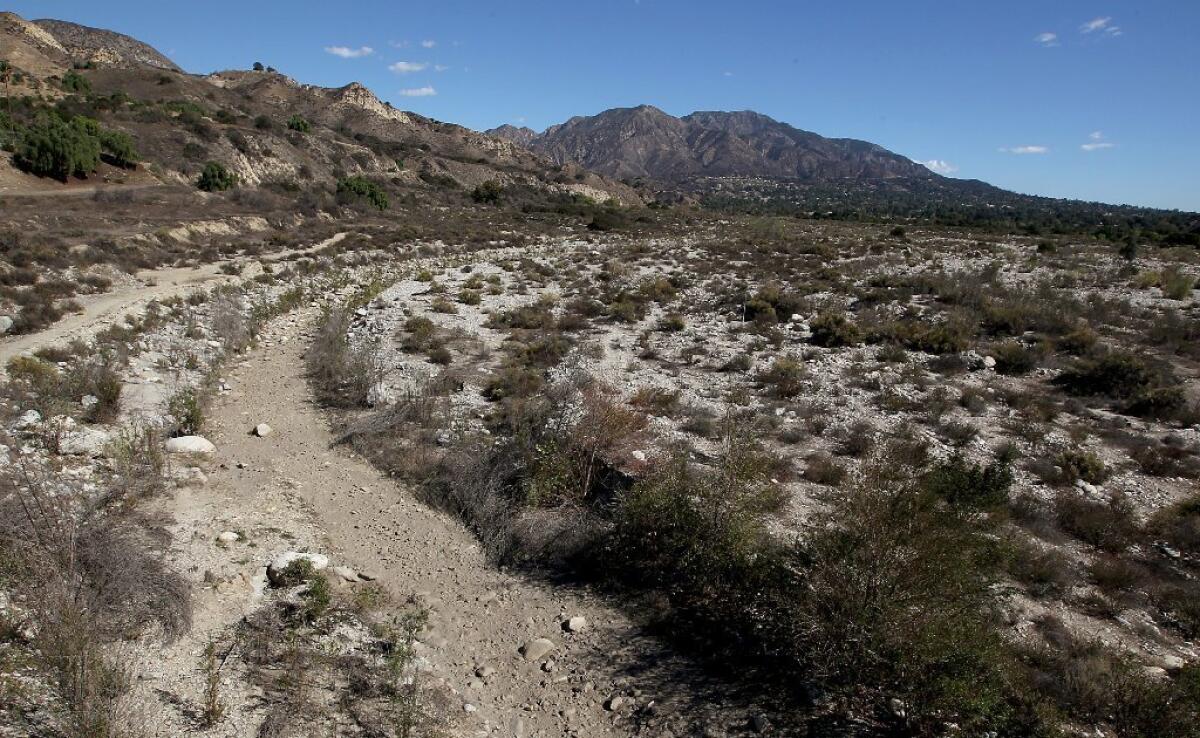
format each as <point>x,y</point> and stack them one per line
<point>575,624</point>
<point>6,324</point>
<point>228,537</point>
<point>760,724</point>
<point>536,649</point>
<point>483,672</point>
<point>614,703</point>
<point>29,418</point>
<point>262,430</point>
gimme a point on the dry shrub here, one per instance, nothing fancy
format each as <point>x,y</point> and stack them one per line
<point>342,372</point>
<point>90,578</point>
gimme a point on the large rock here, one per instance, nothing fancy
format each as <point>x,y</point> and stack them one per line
<point>190,445</point>
<point>6,324</point>
<point>277,566</point>
<point>537,649</point>
<point>84,442</point>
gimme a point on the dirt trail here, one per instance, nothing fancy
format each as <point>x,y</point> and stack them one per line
<point>101,310</point>
<point>480,615</point>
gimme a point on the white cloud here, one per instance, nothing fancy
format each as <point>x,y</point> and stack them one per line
<point>403,67</point>
<point>426,91</point>
<point>726,74</point>
<point>428,44</point>
<point>1101,25</point>
<point>348,53</point>
<point>1047,39</point>
<point>1097,142</point>
<point>1026,150</point>
<point>938,165</point>
<point>440,68</point>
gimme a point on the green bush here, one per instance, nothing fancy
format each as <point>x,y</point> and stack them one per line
<point>970,486</point>
<point>360,188</point>
<point>298,123</point>
<point>119,147</point>
<point>834,329</point>
<point>216,178</point>
<point>487,193</point>
<point>60,150</point>
<point>72,81</point>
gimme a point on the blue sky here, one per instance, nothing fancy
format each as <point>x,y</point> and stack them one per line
<point>1096,99</point>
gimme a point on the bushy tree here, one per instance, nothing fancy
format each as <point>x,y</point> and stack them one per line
<point>60,150</point>
<point>361,188</point>
<point>120,149</point>
<point>298,123</point>
<point>258,66</point>
<point>216,178</point>
<point>487,193</point>
<point>75,82</point>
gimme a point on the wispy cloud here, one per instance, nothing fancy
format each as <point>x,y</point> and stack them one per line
<point>1026,150</point>
<point>938,165</point>
<point>1096,142</point>
<point>1047,39</point>
<point>726,74</point>
<point>403,67</point>
<point>427,44</point>
<point>348,53</point>
<point>426,91</point>
<point>440,68</point>
<point>1102,25</point>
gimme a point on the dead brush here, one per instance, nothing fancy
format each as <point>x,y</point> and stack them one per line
<point>90,578</point>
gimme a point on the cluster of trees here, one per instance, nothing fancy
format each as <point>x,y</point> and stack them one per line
<point>350,189</point>
<point>63,148</point>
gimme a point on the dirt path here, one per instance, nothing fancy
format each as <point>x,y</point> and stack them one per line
<point>480,616</point>
<point>101,310</point>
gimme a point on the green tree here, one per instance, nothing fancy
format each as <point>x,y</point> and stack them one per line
<point>120,149</point>
<point>361,188</point>
<point>298,123</point>
<point>258,66</point>
<point>216,178</point>
<point>487,193</point>
<point>60,150</point>
<point>73,81</point>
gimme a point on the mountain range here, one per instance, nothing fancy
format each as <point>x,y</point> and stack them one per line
<point>645,142</point>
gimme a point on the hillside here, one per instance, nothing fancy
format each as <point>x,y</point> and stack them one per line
<point>265,127</point>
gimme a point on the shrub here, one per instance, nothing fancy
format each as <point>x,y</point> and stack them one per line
<point>187,412</point>
<point>785,378</point>
<point>834,329</point>
<point>120,149</point>
<point>343,374</point>
<point>216,178</point>
<point>350,189</point>
<point>298,123</point>
<point>487,193</point>
<point>970,486</point>
<point>72,81</point>
<point>821,468</point>
<point>1012,357</point>
<point>1107,525</point>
